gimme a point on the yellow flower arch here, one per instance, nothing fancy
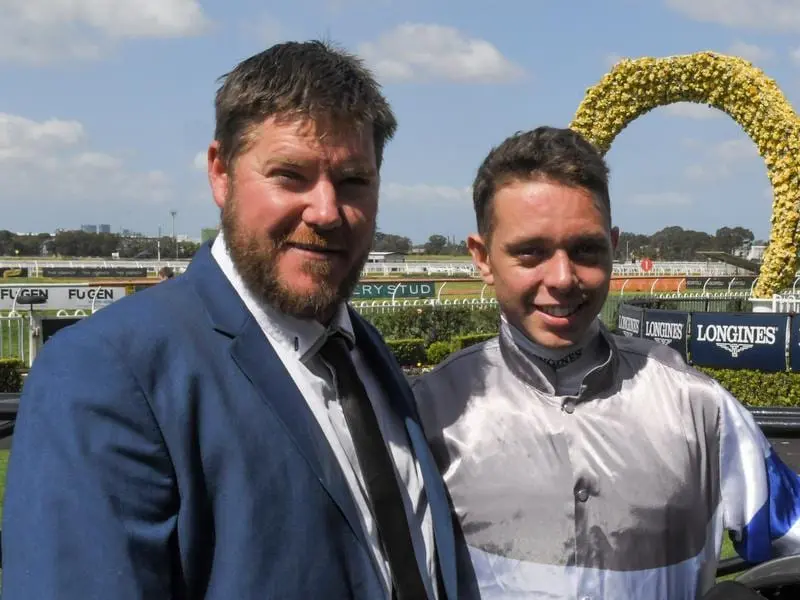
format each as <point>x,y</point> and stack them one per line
<point>734,86</point>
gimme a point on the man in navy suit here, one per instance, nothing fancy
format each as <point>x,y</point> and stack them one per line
<point>237,432</point>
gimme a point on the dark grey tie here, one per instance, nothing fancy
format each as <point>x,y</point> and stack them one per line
<point>377,470</point>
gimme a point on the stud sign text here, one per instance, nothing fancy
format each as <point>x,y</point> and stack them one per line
<point>416,289</point>
<point>58,297</point>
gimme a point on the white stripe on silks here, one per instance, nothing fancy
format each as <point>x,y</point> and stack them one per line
<point>743,452</point>
<point>502,578</point>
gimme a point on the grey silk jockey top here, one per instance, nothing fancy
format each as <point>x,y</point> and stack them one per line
<point>623,491</point>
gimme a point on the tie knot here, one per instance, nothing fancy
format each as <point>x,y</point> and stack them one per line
<point>336,346</point>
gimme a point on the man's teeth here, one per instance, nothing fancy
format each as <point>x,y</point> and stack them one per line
<point>559,311</point>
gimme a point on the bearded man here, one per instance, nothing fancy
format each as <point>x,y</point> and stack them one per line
<point>237,432</point>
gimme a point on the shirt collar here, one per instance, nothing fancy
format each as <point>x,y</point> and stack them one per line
<point>536,374</point>
<point>300,338</point>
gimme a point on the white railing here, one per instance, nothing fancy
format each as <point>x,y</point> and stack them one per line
<point>13,337</point>
<point>786,303</point>
<point>462,268</point>
<point>380,306</point>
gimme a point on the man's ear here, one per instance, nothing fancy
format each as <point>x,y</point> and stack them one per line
<point>218,176</point>
<point>479,250</point>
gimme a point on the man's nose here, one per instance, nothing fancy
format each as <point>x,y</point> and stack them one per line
<point>559,273</point>
<point>322,207</point>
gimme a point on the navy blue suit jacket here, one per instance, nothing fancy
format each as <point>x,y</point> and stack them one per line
<point>163,451</point>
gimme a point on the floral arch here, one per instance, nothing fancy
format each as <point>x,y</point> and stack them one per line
<point>734,86</point>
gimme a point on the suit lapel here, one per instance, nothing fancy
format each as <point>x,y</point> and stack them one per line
<point>259,362</point>
<point>401,399</point>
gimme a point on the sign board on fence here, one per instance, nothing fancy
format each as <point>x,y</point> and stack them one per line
<point>416,289</point>
<point>12,272</point>
<point>668,327</point>
<point>57,297</point>
<point>80,272</point>
<point>794,348</point>
<point>630,321</point>
<point>718,284</point>
<point>739,340</point>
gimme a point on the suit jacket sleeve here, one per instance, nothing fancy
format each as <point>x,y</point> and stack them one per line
<point>90,506</point>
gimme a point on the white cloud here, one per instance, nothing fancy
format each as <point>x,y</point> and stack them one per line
<point>722,160</point>
<point>755,54</point>
<point>794,55</point>
<point>660,199</point>
<point>425,52</point>
<point>40,31</point>
<point>763,15</point>
<point>692,110</point>
<point>46,165</point>
<point>422,193</point>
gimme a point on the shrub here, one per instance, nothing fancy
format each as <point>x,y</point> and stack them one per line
<point>11,375</point>
<point>756,388</point>
<point>465,341</point>
<point>437,352</point>
<point>434,325</point>
<point>409,352</point>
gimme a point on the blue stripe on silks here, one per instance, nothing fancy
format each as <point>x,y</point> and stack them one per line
<point>776,517</point>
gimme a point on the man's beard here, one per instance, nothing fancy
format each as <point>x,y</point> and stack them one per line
<point>256,260</point>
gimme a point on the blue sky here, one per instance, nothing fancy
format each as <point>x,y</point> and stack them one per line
<point>106,104</point>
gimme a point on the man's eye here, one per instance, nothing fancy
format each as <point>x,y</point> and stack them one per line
<point>588,252</point>
<point>288,175</point>
<point>532,255</point>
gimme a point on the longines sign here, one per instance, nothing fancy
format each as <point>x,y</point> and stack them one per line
<point>58,297</point>
<point>668,327</point>
<point>739,340</point>
<point>630,320</point>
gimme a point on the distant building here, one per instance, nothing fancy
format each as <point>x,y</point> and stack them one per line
<point>89,228</point>
<point>104,228</point>
<point>386,257</point>
<point>207,234</point>
<point>756,253</point>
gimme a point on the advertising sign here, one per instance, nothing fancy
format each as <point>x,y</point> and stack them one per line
<point>739,340</point>
<point>416,289</point>
<point>668,327</point>
<point>13,272</point>
<point>81,272</point>
<point>57,297</point>
<point>630,321</point>
<point>718,284</point>
<point>794,347</point>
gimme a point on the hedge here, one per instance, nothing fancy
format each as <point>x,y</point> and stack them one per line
<point>435,325</point>
<point>11,375</point>
<point>465,341</point>
<point>757,388</point>
<point>409,352</point>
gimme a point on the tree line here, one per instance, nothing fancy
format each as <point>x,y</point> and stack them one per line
<point>670,243</point>
<point>96,245</point>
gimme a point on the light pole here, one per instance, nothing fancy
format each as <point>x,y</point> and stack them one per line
<point>174,238</point>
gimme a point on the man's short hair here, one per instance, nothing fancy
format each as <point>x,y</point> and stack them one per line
<point>545,153</point>
<point>299,80</point>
